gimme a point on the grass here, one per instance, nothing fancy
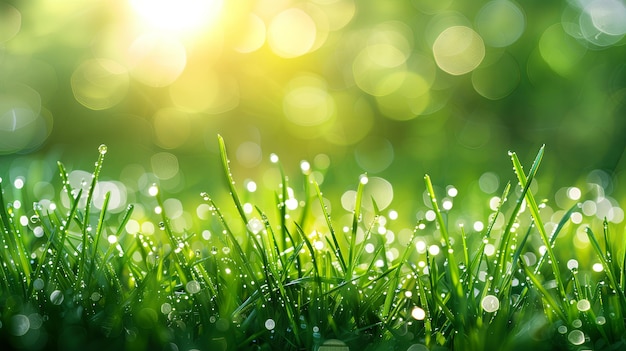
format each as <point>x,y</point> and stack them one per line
<point>288,277</point>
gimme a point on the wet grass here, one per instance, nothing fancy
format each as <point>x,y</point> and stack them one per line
<point>289,277</point>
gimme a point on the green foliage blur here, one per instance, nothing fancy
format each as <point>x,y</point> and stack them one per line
<point>396,89</point>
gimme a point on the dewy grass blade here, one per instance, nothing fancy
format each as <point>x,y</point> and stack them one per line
<point>608,268</point>
<point>335,243</point>
<point>453,268</point>
<point>355,224</point>
<point>534,210</point>
<point>229,180</point>
<point>60,246</point>
<point>13,241</point>
<point>538,284</point>
<point>95,251</point>
<point>86,223</point>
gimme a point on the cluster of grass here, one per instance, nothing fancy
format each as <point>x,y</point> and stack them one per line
<point>75,278</point>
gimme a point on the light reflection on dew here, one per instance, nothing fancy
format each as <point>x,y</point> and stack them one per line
<point>56,297</point>
<point>574,193</point>
<point>193,287</point>
<point>572,264</point>
<point>20,324</point>
<point>434,250</point>
<point>597,267</point>
<point>270,324</point>
<point>38,284</point>
<point>490,303</point>
<point>583,305</point>
<point>255,225</point>
<point>418,313</point>
<point>153,190</point>
<point>576,337</point>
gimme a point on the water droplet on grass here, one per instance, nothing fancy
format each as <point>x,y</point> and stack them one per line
<point>38,284</point>
<point>490,303</point>
<point>270,324</point>
<point>56,298</point>
<point>102,149</point>
<point>576,337</point>
<point>583,305</point>
<point>96,296</point>
<point>19,325</point>
<point>193,287</point>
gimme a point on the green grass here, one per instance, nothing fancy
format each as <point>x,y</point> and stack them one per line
<point>73,277</point>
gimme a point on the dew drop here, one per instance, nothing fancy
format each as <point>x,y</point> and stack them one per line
<point>576,337</point>
<point>56,298</point>
<point>95,296</point>
<point>153,190</point>
<point>193,287</point>
<point>34,219</point>
<point>102,149</point>
<point>19,324</point>
<point>418,313</point>
<point>38,284</point>
<point>583,305</point>
<point>270,324</point>
<point>490,303</point>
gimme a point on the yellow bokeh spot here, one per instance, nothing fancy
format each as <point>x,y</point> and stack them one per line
<point>251,36</point>
<point>10,22</point>
<point>379,68</point>
<point>374,78</point>
<point>408,101</point>
<point>172,128</point>
<point>307,103</point>
<point>292,33</point>
<point>99,84</point>
<point>156,60</point>
<point>338,12</point>
<point>458,50</point>
<point>180,16</point>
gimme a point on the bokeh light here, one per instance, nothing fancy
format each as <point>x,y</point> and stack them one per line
<point>180,16</point>
<point>291,33</point>
<point>156,60</point>
<point>458,50</point>
<point>500,23</point>
<point>100,84</point>
<point>10,22</point>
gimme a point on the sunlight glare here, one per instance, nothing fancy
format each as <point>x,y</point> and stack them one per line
<point>182,16</point>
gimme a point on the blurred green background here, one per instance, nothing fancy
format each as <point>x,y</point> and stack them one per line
<point>396,89</point>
